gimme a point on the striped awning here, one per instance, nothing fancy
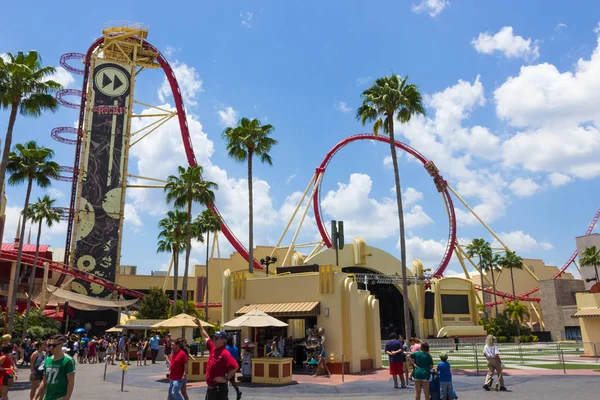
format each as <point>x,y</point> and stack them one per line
<point>298,309</point>
<point>585,312</point>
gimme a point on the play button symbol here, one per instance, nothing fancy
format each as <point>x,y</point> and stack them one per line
<point>111,81</point>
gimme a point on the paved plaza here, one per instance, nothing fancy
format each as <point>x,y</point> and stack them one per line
<point>149,383</point>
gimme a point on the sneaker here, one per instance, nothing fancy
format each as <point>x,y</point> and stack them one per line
<point>502,389</point>
<point>486,387</point>
<point>395,386</point>
<point>403,386</point>
<point>239,396</point>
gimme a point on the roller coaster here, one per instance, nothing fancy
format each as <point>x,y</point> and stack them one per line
<point>74,136</point>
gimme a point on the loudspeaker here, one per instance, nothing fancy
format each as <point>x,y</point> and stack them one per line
<point>429,305</point>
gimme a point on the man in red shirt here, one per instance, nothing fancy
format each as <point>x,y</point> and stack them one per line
<point>221,366</point>
<point>177,371</point>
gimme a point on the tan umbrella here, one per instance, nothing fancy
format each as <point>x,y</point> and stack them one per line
<point>255,319</point>
<point>114,329</point>
<point>180,321</point>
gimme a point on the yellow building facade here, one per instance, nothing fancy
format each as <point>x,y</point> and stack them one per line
<point>588,312</point>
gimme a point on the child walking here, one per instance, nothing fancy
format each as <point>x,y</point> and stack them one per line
<point>444,372</point>
<point>140,353</point>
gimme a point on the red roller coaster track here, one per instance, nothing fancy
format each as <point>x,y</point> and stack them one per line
<point>368,136</point>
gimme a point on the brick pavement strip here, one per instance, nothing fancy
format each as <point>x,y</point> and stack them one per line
<point>148,383</point>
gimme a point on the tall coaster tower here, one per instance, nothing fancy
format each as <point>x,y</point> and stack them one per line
<point>105,141</point>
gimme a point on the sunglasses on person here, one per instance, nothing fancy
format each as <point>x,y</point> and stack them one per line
<point>52,345</point>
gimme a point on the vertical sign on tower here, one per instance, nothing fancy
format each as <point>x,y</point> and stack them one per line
<point>100,207</point>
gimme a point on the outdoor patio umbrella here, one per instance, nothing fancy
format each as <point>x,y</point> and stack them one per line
<point>114,329</point>
<point>180,321</point>
<point>254,319</point>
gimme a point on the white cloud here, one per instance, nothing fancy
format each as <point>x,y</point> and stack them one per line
<point>559,30</point>
<point>343,107</point>
<point>431,7</point>
<point>246,18</point>
<point>290,178</point>
<point>55,193</point>
<point>429,251</point>
<point>131,217</point>
<point>524,187</point>
<point>388,162</point>
<point>556,179</point>
<point>228,116</point>
<point>367,217</point>
<point>411,195</point>
<point>509,45</point>
<point>543,96</point>
<point>568,150</point>
<point>521,242</point>
<point>190,84</point>
<point>4,56</point>
<point>452,146</point>
<point>62,76</point>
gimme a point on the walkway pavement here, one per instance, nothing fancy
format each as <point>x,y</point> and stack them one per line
<point>149,383</point>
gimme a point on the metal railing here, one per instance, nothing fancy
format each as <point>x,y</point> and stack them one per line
<point>553,355</point>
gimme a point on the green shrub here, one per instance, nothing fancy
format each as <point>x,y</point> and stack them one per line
<point>502,339</point>
<point>523,339</point>
<point>535,339</point>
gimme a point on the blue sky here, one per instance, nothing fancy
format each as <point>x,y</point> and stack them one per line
<point>510,87</point>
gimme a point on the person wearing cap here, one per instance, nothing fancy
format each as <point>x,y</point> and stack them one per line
<point>221,365</point>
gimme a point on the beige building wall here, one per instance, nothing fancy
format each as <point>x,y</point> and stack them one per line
<point>351,323</point>
<point>590,326</point>
<point>558,303</point>
<point>582,243</point>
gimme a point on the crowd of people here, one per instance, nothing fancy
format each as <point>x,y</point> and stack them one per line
<point>415,365</point>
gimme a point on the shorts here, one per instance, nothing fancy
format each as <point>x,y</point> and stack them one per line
<point>6,380</point>
<point>396,368</point>
<point>421,380</point>
<point>139,353</point>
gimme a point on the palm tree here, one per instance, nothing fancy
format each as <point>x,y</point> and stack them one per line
<point>207,222</point>
<point>511,261</point>
<point>32,164</point>
<point>249,138</point>
<point>392,98</point>
<point>24,89</point>
<point>491,265</point>
<point>172,239</point>
<point>480,247</point>
<point>516,312</point>
<point>183,190</point>
<point>40,211</point>
<point>591,258</point>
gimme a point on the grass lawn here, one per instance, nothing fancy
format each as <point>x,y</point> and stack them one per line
<point>567,366</point>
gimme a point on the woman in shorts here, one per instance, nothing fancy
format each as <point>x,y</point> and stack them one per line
<point>423,364</point>
<point>37,367</point>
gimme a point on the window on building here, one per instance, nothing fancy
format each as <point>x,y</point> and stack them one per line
<point>572,333</point>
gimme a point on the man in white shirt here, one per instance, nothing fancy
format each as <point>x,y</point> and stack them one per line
<point>492,354</point>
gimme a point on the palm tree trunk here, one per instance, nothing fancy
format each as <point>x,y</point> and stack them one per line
<point>175,274</point>
<point>188,249</point>
<point>250,217</point>
<point>482,291</point>
<point>7,143</point>
<point>206,284</point>
<point>13,302</point>
<point>32,281</point>
<point>597,276</point>
<point>512,281</point>
<point>494,289</point>
<point>407,328</point>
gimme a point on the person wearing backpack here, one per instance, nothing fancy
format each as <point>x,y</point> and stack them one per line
<point>37,367</point>
<point>423,363</point>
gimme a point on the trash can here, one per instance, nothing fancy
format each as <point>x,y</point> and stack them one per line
<point>194,349</point>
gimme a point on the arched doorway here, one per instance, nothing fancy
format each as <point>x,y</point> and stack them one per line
<point>391,304</point>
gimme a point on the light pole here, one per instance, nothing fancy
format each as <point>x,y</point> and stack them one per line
<point>268,261</point>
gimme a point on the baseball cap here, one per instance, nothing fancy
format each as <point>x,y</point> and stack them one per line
<point>220,334</point>
<point>246,340</point>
